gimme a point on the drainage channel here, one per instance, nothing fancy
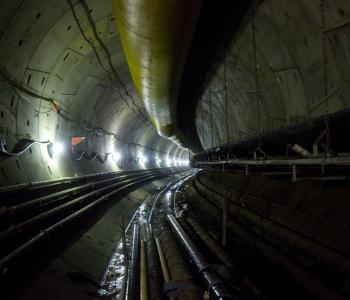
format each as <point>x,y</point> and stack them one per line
<point>161,257</point>
<point>111,284</point>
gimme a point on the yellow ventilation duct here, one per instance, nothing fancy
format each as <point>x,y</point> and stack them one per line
<point>155,36</point>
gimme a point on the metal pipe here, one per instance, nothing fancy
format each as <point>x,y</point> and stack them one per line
<point>143,273</point>
<point>34,186</point>
<point>18,212</point>
<point>239,275</point>
<point>7,261</point>
<point>12,235</point>
<point>214,282</point>
<point>29,204</point>
<point>131,291</point>
<point>24,209</point>
<point>20,194</point>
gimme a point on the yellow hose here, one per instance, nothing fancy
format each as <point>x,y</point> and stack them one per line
<point>156,36</point>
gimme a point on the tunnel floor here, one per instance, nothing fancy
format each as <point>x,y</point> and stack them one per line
<point>190,234</point>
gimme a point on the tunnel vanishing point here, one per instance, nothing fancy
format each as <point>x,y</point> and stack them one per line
<point>175,149</point>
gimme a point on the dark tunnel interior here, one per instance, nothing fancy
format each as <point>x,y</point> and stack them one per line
<point>173,149</point>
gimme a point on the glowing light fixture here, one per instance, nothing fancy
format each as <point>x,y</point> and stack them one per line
<point>117,156</point>
<point>168,162</point>
<point>55,149</point>
<point>143,159</point>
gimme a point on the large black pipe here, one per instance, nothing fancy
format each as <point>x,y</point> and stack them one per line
<point>19,193</point>
<point>41,185</point>
<point>215,284</point>
<point>13,235</point>
<point>7,262</point>
<point>29,237</point>
<point>32,207</point>
<point>275,143</point>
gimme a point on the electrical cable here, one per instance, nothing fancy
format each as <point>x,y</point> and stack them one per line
<point>19,88</point>
<point>21,147</point>
<point>144,119</point>
<point>99,131</point>
<point>281,49</point>
<point>257,87</point>
<point>325,74</point>
<point>31,92</point>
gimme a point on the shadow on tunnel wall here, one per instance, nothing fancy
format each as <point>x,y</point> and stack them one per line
<point>217,25</point>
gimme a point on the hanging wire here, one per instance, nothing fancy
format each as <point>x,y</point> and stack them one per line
<point>202,113</point>
<point>257,89</point>
<point>325,73</point>
<point>211,119</point>
<point>279,39</point>
<point>19,89</point>
<point>226,103</point>
<point>138,111</point>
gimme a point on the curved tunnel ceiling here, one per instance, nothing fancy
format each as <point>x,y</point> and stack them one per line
<point>156,36</point>
<point>69,107</point>
<point>64,75</point>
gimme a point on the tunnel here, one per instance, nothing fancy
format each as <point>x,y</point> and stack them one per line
<point>173,149</point>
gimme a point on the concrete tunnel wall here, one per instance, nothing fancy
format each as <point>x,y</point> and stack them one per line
<point>53,87</point>
<point>290,71</point>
